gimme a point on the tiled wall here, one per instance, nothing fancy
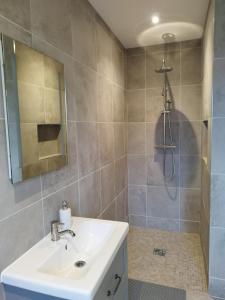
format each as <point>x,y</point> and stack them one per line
<point>217,216</point>
<point>174,205</point>
<point>95,180</point>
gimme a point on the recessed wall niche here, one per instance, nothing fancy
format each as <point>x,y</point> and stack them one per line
<point>36,113</point>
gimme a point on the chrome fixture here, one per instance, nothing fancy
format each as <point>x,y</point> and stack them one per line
<point>56,234</point>
<point>168,105</point>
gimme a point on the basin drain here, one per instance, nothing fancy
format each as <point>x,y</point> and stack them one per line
<point>80,264</point>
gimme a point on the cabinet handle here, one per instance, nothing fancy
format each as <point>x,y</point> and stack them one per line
<point>118,284</point>
<point>109,293</point>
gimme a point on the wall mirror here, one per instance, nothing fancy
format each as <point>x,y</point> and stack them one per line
<point>35,110</point>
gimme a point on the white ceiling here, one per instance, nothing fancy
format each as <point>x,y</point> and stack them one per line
<point>130,20</point>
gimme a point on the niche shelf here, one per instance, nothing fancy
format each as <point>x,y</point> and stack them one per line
<point>48,132</point>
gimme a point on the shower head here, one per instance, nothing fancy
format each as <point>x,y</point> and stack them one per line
<point>164,68</point>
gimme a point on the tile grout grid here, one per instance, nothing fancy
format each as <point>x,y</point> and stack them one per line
<point>182,267</point>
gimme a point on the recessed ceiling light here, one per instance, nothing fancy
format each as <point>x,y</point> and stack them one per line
<point>155,19</point>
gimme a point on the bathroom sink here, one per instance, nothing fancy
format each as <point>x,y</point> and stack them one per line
<point>73,267</point>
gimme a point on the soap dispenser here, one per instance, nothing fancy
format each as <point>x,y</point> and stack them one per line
<point>65,215</point>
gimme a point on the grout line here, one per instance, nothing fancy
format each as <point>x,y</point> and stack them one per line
<point>20,210</point>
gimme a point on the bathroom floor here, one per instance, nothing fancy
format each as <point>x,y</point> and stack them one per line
<point>181,267</point>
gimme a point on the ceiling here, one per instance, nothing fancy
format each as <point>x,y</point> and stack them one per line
<point>130,20</point>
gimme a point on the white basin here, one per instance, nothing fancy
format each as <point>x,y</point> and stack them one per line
<point>50,267</point>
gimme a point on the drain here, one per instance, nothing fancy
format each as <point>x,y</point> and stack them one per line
<point>159,252</point>
<point>80,264</point>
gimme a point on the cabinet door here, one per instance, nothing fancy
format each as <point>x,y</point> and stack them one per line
<point>115,279</point>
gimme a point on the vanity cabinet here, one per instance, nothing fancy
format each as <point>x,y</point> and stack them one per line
<point>115,283</point>
<point>113,287</point>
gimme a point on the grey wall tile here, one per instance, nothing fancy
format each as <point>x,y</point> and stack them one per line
<point>205,189</point>
<point>219,41</point>
<point>53,203</point>
<point>16,11</point>
<point>135,51</point>
<point>191,71</point>
<point>15,231</point>
<point>136,72</point>
<point>218,146</point>
<point>155,170</point>
<point>218,88</point>
<point>136,138</point>
<point>85,85</point>
<point>167,47</point>
<point>217,200</point>
<point>137,170</point>
<point>190,171</point>
<point>188,226</point>
<point>12,31</point>
<point>204,235</point>
<point>121,206</point>
<point>87,148</point>
<point>104,51</point>
<point>104,100</point>
<point>85,7</point>
<point>217,287</point>
<point>106,143</point>
<point>110,212</point>
<point>190,138</point>
<point>163,224</point>
<point>163,202</point>
<point>139,221</point>
<point>119,140</point>
<point>51,22</point>
<point>89,188</point>
<point>136,105</point>
<point>120,174</point>
<point>83,36</point>
<point>217,259</point>
<point>118,64</point>
<point>191,102</point>
<point>191,44</point>
<point>190,204</point>
<point>118,96</point>
<point>107,184</point>
<point>137,196</point>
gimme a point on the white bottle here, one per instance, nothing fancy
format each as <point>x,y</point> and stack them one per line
<point>65,215</point>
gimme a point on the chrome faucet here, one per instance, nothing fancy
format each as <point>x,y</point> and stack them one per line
<point>56,234</point>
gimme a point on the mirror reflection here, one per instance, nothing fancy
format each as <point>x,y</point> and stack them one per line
<point>36,112</point>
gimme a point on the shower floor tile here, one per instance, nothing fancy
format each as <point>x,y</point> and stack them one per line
<point>182,267</point>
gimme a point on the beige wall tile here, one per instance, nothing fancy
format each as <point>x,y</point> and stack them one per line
<point>29,142</point>
<point>31,103</point>
<point>30,65</point>
<point>52,106</point>
<point>54,74</point>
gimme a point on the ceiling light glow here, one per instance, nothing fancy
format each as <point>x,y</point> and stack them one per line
<point>155,19</point>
